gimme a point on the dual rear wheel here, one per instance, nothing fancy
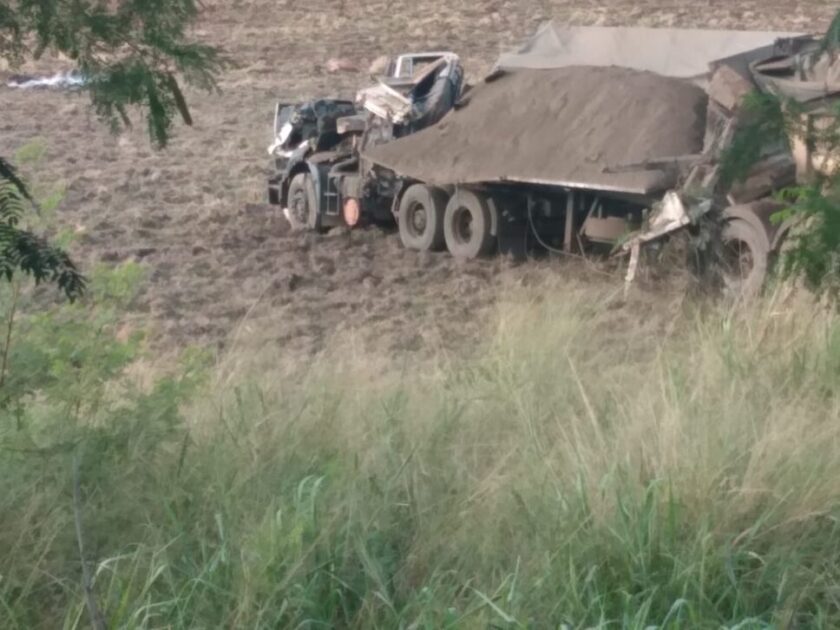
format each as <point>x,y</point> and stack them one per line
<point>429,220</point>
<point>421,214</point>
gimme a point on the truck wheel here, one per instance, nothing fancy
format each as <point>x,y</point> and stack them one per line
<point>467,225</point>
<point>746,257</point>
<point>303,204</point>
<point>420,218</point>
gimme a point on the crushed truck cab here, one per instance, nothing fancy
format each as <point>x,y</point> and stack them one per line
<point>319,177</point>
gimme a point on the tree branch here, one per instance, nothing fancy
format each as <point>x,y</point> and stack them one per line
<point>4,359</point>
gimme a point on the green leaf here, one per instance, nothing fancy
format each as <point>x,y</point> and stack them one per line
<point>23,251</point>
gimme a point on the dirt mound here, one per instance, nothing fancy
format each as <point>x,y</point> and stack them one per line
<point>559,125</point>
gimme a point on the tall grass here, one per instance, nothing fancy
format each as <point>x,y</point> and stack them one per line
<point>585,467</point>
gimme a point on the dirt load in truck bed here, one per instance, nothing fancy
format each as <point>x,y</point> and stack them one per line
<point>564,125</point>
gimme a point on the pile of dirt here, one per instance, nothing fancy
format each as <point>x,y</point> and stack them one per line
<point>558,125</point>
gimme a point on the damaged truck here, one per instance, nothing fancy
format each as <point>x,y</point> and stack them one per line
<point>585,138</point>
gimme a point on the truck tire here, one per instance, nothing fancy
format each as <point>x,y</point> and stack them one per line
<point>420,218</point>
<point>746,258</point>
<point>303,203</point>
<point>468,225</point>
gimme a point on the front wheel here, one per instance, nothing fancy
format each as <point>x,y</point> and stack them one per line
<point>468,225</point>
<point>303,204</point>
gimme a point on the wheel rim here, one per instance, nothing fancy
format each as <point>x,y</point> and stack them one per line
<point>299,207</point>
<point>462,225</point>
<point>417,219</point>
<point>738,263</point>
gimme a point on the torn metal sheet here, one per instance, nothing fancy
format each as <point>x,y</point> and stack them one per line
<point>297,125</point>
<point>668,216</point>
<point>280,139</point>
<point>802,71</point>
<point>431,93</point>
<point>351,124</point>
<point>673,52</point>
<point>807,75</point>
<point>729,88</point>
<point>385,102</point>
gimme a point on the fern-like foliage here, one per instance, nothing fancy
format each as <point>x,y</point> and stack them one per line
<point>814,253</point>
<point>23,251</point>
<point>765,124</point>
<point>831,40</point>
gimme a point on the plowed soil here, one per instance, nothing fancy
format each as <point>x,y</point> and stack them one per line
<point>217,271</point>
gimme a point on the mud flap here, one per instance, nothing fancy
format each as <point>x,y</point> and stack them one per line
<point>512,238</point>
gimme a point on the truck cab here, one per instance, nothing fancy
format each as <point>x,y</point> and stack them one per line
<point>318,177</point>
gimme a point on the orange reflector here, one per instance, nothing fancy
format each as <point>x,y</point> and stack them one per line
<point>352,212</point>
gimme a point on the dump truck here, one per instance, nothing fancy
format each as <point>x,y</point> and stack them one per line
<point>583,139</point>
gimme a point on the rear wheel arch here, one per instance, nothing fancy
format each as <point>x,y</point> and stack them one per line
<point>398,194</point>
<point>759,214</point>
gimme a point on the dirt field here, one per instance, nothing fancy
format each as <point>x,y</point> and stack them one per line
<point>212,264</point>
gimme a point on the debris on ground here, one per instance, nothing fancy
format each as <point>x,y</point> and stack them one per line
<point>63,80</point>
<point>341,64</point>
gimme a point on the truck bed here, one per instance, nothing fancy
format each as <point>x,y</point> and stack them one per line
<point>567,126</point>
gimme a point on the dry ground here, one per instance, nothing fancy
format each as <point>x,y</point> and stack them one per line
<point>212,264</point>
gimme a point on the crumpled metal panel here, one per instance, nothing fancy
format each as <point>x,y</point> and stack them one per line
<point>672,52</point>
